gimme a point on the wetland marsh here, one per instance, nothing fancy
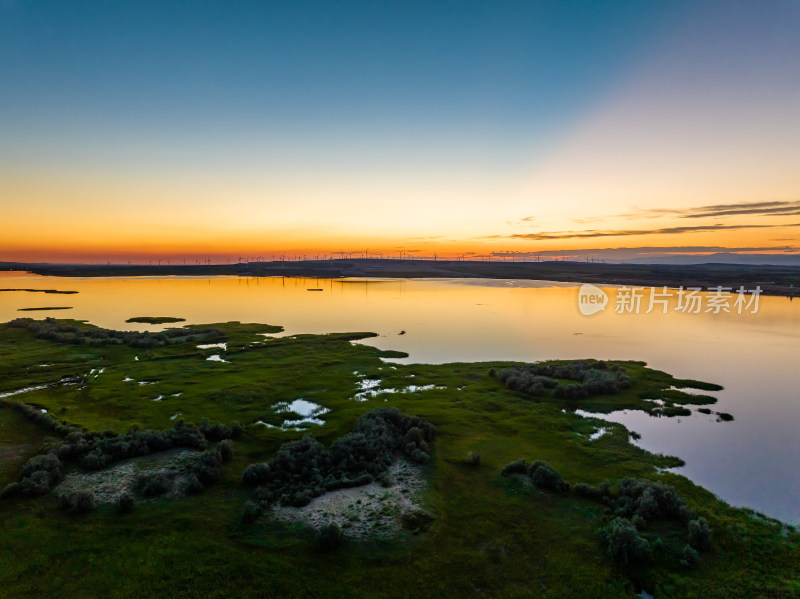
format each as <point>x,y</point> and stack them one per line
<point>483,533</point>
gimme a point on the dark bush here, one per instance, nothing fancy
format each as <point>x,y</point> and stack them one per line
<point>689,557</point>
<point>65,501</point>
<point>83,501</point>
<point>298,499</point>
<point>256,473</point>
<point>590,378</point>
<point>124,503</point>
<point>546,478</point>
<point>64,333</point>
<point>699,534</point>
<point>330,537</point>
<point>94,451</point>
<point>225,450</point>
<point>588,491</point>
<point>207,467</point>
<point>303,469</point>
<point>38,483</point>
<point>218,432</point>
<point>623,543</point>
<point>516,467</point>
<point>45,463</point>
<point>250,512</point>
<point>155,484</point>
<point>649,500</point>
<point>192,484</point>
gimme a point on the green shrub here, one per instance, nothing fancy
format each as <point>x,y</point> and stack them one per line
<point>649,500</point>
<point>38,483</point>
<point>65,501</point>
<point>515,467</point>
<point>256,473</point>
<point>63,333</point>
<point>83,501</point>
<point>546,478</point>
<point>225,450</point>
<point>591,378</point>
<point>206,467</point>
<point>304,469</point>
<point>689,557</point>
<point>623,543</point>
<point>218,432</point>
<point>155,484</point>
<point>699,534</point>
<point>590,492</point>
<point>192,485</point>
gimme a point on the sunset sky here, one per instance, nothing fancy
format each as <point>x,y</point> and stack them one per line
<point>144,130</point>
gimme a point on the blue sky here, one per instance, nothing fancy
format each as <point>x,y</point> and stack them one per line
<point>382,108</point>
<point>180,72</point>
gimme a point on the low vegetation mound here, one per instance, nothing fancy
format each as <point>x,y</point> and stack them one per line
<point>61,332</point>
<point>186,476</point>
<point>92,451</point>
<point>542,475</point>
<point>636,504</point>
<point>591,378</point>
<point>639,502</point>
<point>304,469</point>
<point>155,319</point>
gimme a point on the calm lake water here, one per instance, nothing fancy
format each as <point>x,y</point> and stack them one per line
<point>751,461</point>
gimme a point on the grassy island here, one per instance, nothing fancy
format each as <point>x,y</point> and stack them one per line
<point>155,319</point>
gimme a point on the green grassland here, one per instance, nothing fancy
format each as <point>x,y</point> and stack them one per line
<point>492,536</point>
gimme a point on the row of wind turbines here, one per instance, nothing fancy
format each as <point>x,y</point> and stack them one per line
<point>402,254</point>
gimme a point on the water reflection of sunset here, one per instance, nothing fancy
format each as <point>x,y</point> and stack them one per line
<point>753,355</point>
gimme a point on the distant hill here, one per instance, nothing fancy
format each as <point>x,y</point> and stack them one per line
<point>722,258</point>
<point>711,271</point>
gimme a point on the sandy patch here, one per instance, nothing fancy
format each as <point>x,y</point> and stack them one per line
<point>108,484</point>
<point>368,511</point>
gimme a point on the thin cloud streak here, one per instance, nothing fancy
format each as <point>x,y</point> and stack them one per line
<point>547,236</point>
<point>774,208</point>
<point>631,252</point>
